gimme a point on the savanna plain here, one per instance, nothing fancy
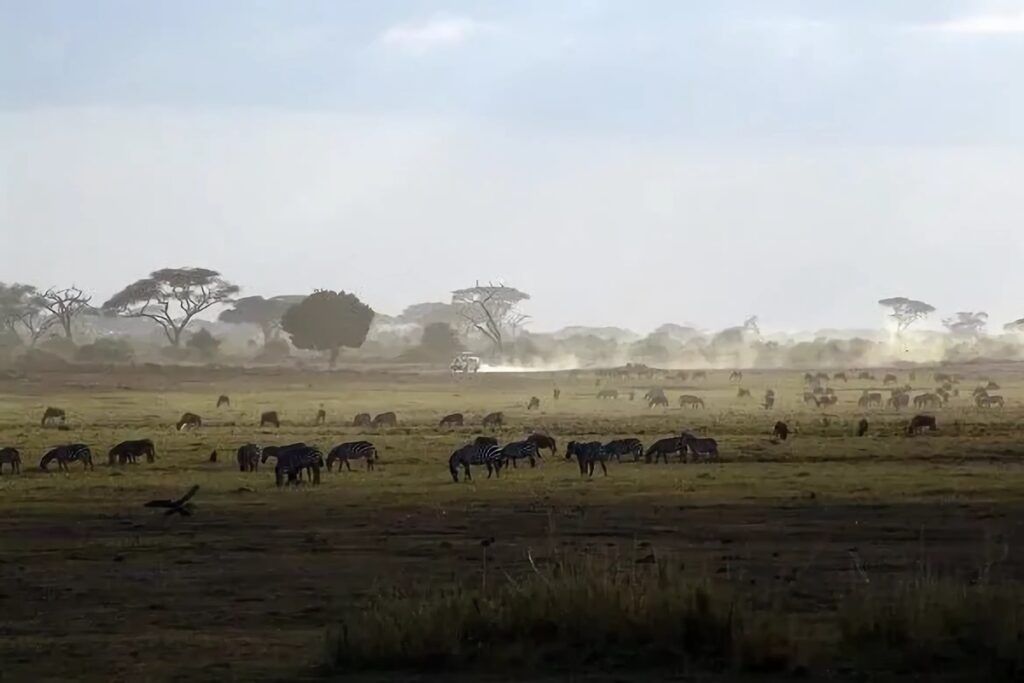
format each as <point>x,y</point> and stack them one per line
<point>826,555</point>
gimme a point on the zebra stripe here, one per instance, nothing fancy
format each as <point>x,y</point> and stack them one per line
<point>353,450</point>
<point>520,450</point>
<point>485,454</point>
<point>587,455</point>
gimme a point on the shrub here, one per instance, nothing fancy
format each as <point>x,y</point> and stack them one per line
<point>106,350</point>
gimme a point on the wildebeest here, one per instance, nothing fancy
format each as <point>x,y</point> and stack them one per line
<point>839,376</point>
<point>453,420</point>
<point>742,393</point>
<point>587,455</point>
<point>556,393</point>
<point>353,450</point>
<point>189,421</point>
<point>387,419</point>
<point>534,403</point>
<point>662,448</point>
<point>248,457</point>
<point>608,393</point>
<point>292,461</point>
<point>862,427</point>
<point>921,422</point>
<point>543,442</point>
<point>10,456</point>
<point>494,419</point>
<point>269,418</point>
<point>130,451</point>
<point>223,400</point>
<point>621,447</point>
<point>321,417</point>
<point>927,400</point>
<point>869,399</point>
<point>989,401</point>
<point>690,401</point>
<point>736,375</point>
<point>520,450</point>
<point>661,401</point>
<point>899,399</point>
<point>51,414</point>
<point>74,452</point>
<point>488,455</point>
<point>890,379</point>
<point>781,430</point>
<point>654,393</point>
<point>282,452</point>
<point>700,447</point>
<point>213,456</point>
<point>362,420</point>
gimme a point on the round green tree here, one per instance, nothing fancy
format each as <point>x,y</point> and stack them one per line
<point>328,321</point>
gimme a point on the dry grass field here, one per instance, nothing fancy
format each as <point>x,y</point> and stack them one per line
<point>255,585</point>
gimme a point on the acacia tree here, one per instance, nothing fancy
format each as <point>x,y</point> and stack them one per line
<point>171,298</point>
<point>22,312</point>
<point>328,321</point>
<point>906,311</point>
<point>65,305</point>
<point>264,313</point>
<point>491,310</point>
<point>966,323</point>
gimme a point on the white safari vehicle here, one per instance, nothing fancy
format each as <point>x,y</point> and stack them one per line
<point>465,363</point>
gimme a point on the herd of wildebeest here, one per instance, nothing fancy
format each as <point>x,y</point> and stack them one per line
<point>292,460</point>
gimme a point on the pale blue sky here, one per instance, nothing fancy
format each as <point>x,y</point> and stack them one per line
<point>626,163</point>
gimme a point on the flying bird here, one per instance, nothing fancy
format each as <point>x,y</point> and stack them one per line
<point>176,507</point>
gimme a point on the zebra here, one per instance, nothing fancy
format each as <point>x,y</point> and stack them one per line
<point>690,401</point>
<point>66,454</point>
<point>542,442</point>
<point>586,455</point>
<point>270,418</point>
<point>485,441</point>
<point>190,420</point>
<point>706,448</point>
<point>534,403</point>
<point>52,413</point>
<point>621,447</point>
<point>248,457</point>
<point>520,450</point>
<point>353,450</point>
<point>12,457</point>
<point>475,454</point>
<point>362,420</point>
<point>658,401</point>
<point>293,461</point>
<point>655,393</point>
<point>223,400</point>
<point>927,400</point>
<point>453,420</point>
<point>664,448</point>
<point>494,419</point>
<point>277,451</point>
<point>387,419</point>
<point>130,451</point>
<point>867,400</point>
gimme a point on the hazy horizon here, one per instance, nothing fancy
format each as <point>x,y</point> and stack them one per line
<point>625,166</point>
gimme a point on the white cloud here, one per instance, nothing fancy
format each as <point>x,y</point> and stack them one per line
<point>437,32</point>
<point>982,24</point>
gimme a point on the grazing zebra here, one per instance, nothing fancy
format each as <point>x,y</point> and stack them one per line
<point>362,420</point>
<point>663,448</point>
<point>66,454</point>
<point>736,375</point>
<point>742,393</point>
<point>223,400</point>
<point>862,427</point>
<point>130,451</point>
<point>269,418</point>
<point>608,393</point>
<point>353,450</point>
<point>51,414</point>
<point>542,442</point>
<point>190,421</point>
<point>453,420</point>
<point>292,461</point>
<point>701,448</point>
<point>248,457</point>
<point>321,417</point>
<point>475,454</point>
<point>587,455</point>
<point>661,401</point>
<point>989,401</point>
<point>867,400</point>
<point>520,450</point>
<point>534,403</point>
<point>387,419</point>
<point>690,401</point>
<point>925,400</point>
<point>919,423</point>
<point>781,430</point>
<point>494,419</point>
<point>898,400</point>
<point>621,447</point>
<point>556,393</point>
<point>12,457</point>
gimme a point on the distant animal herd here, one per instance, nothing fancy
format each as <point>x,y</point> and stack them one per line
<point>292,461</point>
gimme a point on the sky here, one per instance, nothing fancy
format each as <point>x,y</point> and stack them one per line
<point>624,163</point>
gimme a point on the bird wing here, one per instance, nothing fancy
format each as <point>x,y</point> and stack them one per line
<point>163,503</point>
<point>191,492</point>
